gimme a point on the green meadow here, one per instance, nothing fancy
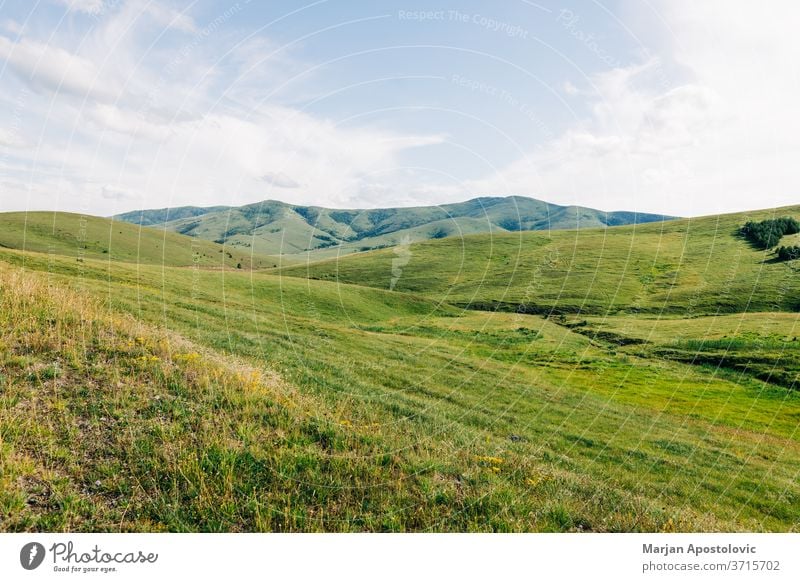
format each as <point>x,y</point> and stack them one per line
<point>635,378</point>
<point>682,267</point>
<point>81,237</point>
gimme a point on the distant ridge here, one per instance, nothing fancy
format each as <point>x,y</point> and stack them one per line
<point>273,227</point>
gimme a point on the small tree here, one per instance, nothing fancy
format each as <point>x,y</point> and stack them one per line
<point>789,253</point>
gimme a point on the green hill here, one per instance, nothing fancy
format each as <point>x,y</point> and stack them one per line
<point>687,266</point>
<point>273,228</point>
<point>150,397</point>
<point>159,217</point>
<point>89,237</point>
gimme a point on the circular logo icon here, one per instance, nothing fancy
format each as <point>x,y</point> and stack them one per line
<point>31,555</point>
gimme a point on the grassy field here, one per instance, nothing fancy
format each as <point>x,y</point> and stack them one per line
<point>140,397</point>
<point>756,345</point>
<point>89,237</point>
<point>697,266</point>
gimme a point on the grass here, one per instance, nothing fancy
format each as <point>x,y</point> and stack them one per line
<point>751,345</point>
<point>689,267</point>
<point>141,397</point>
<point>89,237</point>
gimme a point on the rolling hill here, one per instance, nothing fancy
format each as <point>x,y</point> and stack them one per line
<point>687,266</point>
<point>90,237</point>
<point>273,228</point>
<point>213,399</point>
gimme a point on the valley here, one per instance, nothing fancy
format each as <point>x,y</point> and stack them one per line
<point>631,378</point>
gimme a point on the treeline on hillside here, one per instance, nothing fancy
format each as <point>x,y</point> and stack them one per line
<point>767,233</point>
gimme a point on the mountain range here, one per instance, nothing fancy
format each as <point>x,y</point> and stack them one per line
<point>273,228</point>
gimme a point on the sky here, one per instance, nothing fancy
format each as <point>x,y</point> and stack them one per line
<point>671,106</point>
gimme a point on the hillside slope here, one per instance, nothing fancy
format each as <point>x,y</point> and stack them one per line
<point>692,266</point>
<point>147,397</point>
<point>86,237</point>
<point>160,216</point>
<point>272,227</point>
<point>284,404</point>
<point>109,424</point>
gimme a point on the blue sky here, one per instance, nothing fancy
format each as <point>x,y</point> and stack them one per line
<point>668,106</point>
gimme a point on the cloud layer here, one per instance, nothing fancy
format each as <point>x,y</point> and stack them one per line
<point>125,128</point>
<point>146,106</point>
<point>708,126</point>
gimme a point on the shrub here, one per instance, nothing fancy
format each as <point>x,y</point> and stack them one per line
<point>767,233</point>
<point>789,253</point>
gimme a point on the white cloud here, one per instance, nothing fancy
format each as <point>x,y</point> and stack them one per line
<point>11,139</point>
<point>163,130</point>
<point>112,192</point>
<point>121,160</point>
<point>160,13</point>
<point>723,136</point>
<point>709,125</point>
<point>281,147</point>
<point>570,89</point>
<point>167,17</point>
<point>130,122</point>
<point>93,7</point>
<point>51,68</point>
<point>11,26</point>
<point>280,180</point>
